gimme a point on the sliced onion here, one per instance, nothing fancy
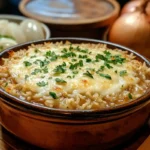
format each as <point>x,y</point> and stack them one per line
<point>32,29</point>
<point>6,42</point>
<point>14,30</point>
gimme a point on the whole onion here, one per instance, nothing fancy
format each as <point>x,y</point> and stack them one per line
<point>134,5</point>
<point>131,6</point>
<point>133,30</point>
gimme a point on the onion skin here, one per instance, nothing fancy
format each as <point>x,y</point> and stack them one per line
<point>132,30</point>
<point>131,6</point>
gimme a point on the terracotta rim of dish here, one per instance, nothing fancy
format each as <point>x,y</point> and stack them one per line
<point>55,111</point>
<point>101,21</point>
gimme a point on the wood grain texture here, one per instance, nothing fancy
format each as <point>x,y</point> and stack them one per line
<point>10,142</point>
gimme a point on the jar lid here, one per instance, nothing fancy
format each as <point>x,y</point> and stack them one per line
<point>71,12</point>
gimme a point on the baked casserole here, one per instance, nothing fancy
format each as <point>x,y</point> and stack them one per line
<point>74,76</point>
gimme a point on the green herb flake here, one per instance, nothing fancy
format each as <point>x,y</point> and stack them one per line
<point>36,71</point>
<point>117,59</point>
<point>108,65</point>
<point>64,50</point>
<point>6,84</point>
<point>1,48</point>
<point>84,51</point>
<point>100,69</point>
<point>81,63</point>
<point>73,66</point>
<point>73,60</point>
<point>107,54</point>
<point>75,72</point>
<point>27,63</point>
<point>26,77</point>
<point>130,96</point>
<point>45,70</point>
<point>33,56</point>
<point>64,64</point>
<point>59,69</point>
<point>70,48</point>
<point>88,74</point>
<point>116,71</point>
<point>42,83</point>
<point>88,60</point>
<point>123,73</point>
<point>83,56</point>
<point>105,76</point>
<point>36,50</point>
<point>68,54</point>
<point>58,80</point>
<point>69,77</point>
<point>42,77</point>
<point>51,55</point>
<point>53,95</point>
<point>99,56</point>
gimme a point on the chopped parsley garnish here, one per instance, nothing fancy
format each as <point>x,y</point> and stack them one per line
<point>6,84</point>
<point>107,53</point>
<point>73,66</point>
<point>99,56</point>
<point>105,76</point>
<point>84,51</point>
<point>81,63</point>
<point>36,50</point>
<point>116,59</point>
<point>82,56</point>
<point>51,55</point>
<point>123,73</point>
<point>81,50</point>
<point>33,56</point>
<point>116,71</point>
<point>130,96</point>
<point>109,58</point>
<point>53,95</point>
<point>88,60</point>
<point>42,83</point>
<point>41,64</point>
<point>70,48</point>
<point>26,77</point>
<point>64,50</point>
<point>108,65</point>
<point>69,77</point>
<point>68,54</point>
<point>58,80</point>
<point>91,69</point>
<point>88,74</point>
<point>42,77</point>
<point>59,69</point>
<point>76,65</point>
<point>27,63</point>
<point>63,64</point>
<point>75,72</point>
<point>74,60</point>
<point>45,69</point>
<point>100,69</point>
<point>36,71</point>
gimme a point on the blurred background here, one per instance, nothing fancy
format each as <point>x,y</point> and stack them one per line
<point>110,20</point>
<point>11,6</point>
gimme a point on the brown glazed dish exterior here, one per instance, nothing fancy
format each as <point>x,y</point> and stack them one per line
<point>73,129</point>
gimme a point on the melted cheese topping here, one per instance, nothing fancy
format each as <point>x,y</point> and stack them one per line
<point>60,71</point>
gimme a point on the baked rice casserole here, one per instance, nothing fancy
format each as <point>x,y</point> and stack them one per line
<point>74,76</point>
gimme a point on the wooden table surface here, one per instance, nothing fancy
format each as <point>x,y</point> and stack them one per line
<point>10,142</point>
